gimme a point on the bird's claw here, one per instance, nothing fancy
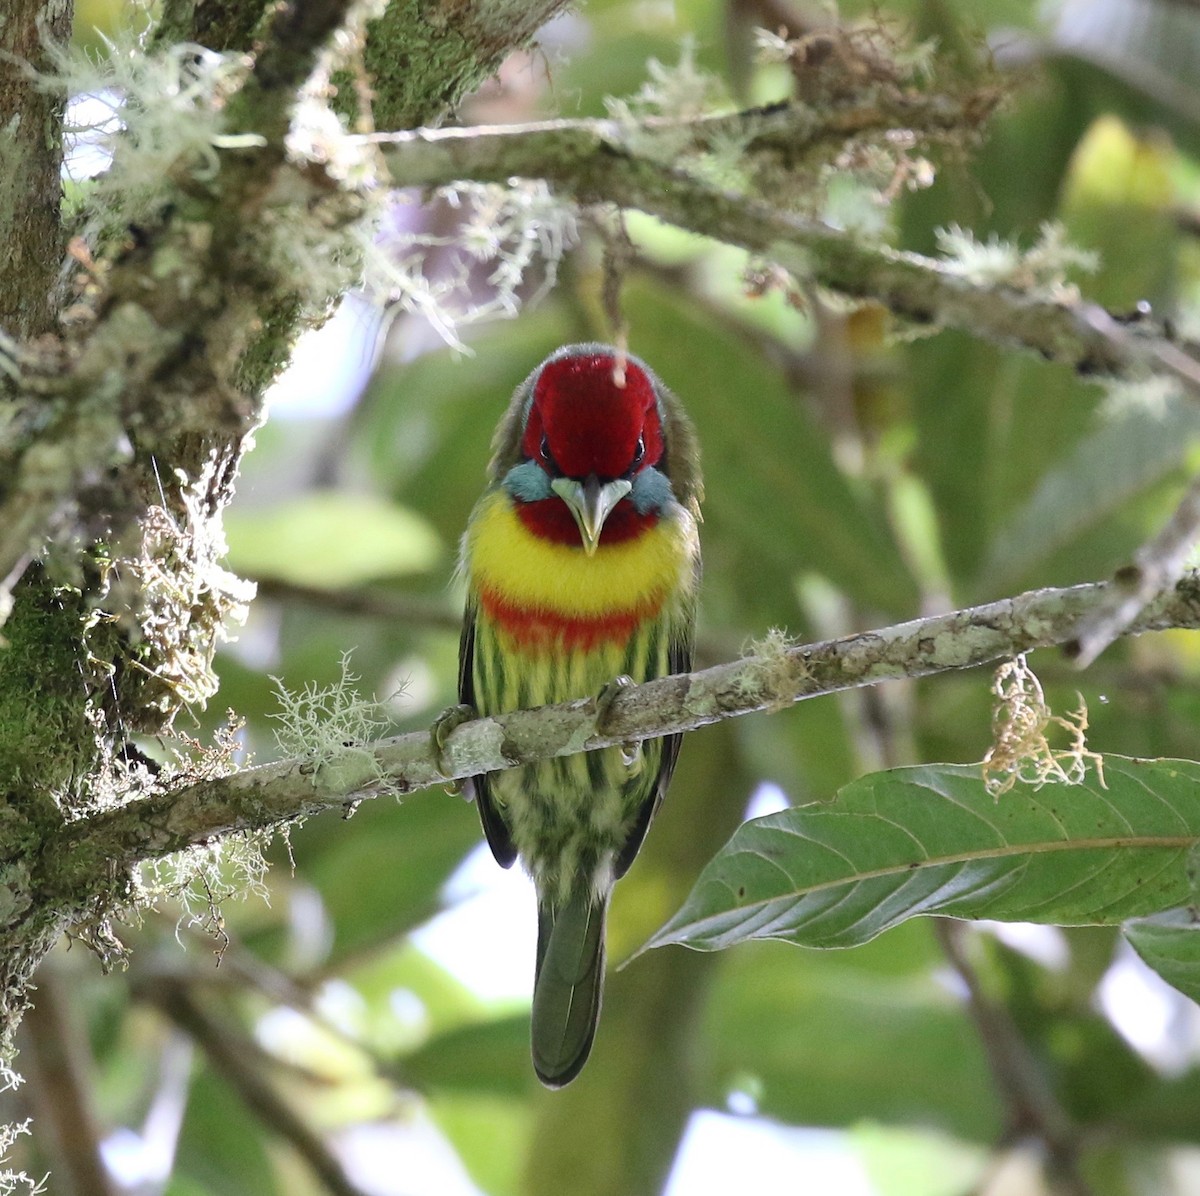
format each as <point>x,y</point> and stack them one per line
<point>606,697</point>
<point>443,725</point>
<point>630,752</point>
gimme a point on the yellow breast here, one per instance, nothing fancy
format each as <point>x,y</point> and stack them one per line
<point>502,555</point>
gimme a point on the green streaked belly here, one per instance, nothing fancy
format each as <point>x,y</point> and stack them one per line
<point>569,816</point>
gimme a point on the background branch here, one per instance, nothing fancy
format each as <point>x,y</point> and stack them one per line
<point>609,161</point>
<point>236,1059</point>
<point>1032,1105</point>
<point>58,1059</point>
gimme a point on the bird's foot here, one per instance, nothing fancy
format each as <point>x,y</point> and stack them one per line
<point>604,701</point>
<point>443,725</point>
<point>605,698</point>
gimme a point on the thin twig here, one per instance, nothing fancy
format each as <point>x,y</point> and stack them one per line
<point>1156,566</point>
<point>1163,355</point>
<point>241,970</point>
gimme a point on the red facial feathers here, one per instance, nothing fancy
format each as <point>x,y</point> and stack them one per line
<point>590,424</point>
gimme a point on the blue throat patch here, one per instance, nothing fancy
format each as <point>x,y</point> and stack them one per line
<point>529,482</point>
<point>651,491</point>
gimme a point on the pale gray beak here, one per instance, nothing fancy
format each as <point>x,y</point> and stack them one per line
<point>591,502</point>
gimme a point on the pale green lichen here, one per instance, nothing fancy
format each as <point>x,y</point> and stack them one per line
<point>521,232</point>
<point>1152,397</point>
<point>682,90</point>
<point>773,681</point>
<point>165,111</point>
<point>681,94</point>
<point>1039,271</point>
<point>13,1183</point>
<point>334,727</point>
<point>196,882</point>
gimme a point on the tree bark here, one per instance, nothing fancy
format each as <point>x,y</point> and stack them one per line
<point>31,154</point>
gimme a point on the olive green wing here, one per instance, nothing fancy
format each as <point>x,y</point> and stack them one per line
<point>494,828</point>
<point>679,660</point>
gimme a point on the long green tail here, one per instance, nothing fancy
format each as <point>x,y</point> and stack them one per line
<point>567,985</point>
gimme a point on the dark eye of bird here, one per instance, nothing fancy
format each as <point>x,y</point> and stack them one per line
<point>639,453</point>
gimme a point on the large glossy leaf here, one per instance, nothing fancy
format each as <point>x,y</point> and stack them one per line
<point>242,1165</point>
<point>490,1135</point>
<point>981,454</point>
<point>930,840</point>
<point>380,881</point>
<point>483,1058</point>
<point>764,455</point>
<point>426,431</point>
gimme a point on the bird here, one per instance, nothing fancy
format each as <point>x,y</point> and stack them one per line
<point>582,564</point>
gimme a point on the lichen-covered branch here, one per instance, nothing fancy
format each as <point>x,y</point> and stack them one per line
<point>633,166</point>
<point>272,794</point>
<point>418,45</point>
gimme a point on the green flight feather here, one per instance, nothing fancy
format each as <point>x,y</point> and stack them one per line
<point>567,985</point>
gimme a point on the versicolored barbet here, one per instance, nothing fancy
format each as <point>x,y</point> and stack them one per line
<point>582,562</point>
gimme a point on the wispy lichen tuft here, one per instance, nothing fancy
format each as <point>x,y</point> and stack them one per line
<point>1021,722</point>
<point>776,673</point>
<point>678,94</point>
<point>503,255</point>
<point>15,1183</point>
<point>1041,270</point>
<point>164,108</point>
<point>334,727</point>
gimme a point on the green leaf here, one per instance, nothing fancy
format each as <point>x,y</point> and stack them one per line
<point>1170,944</point>
<point>330,538</point>
<point>779,504</point>
<point>908,1163</point>
<point>1118,460</point>
<point>1118,198</point>
<point>931,840</point>
<point>426,432</point>
<point>242,1165</point>
<point>386,878</point>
